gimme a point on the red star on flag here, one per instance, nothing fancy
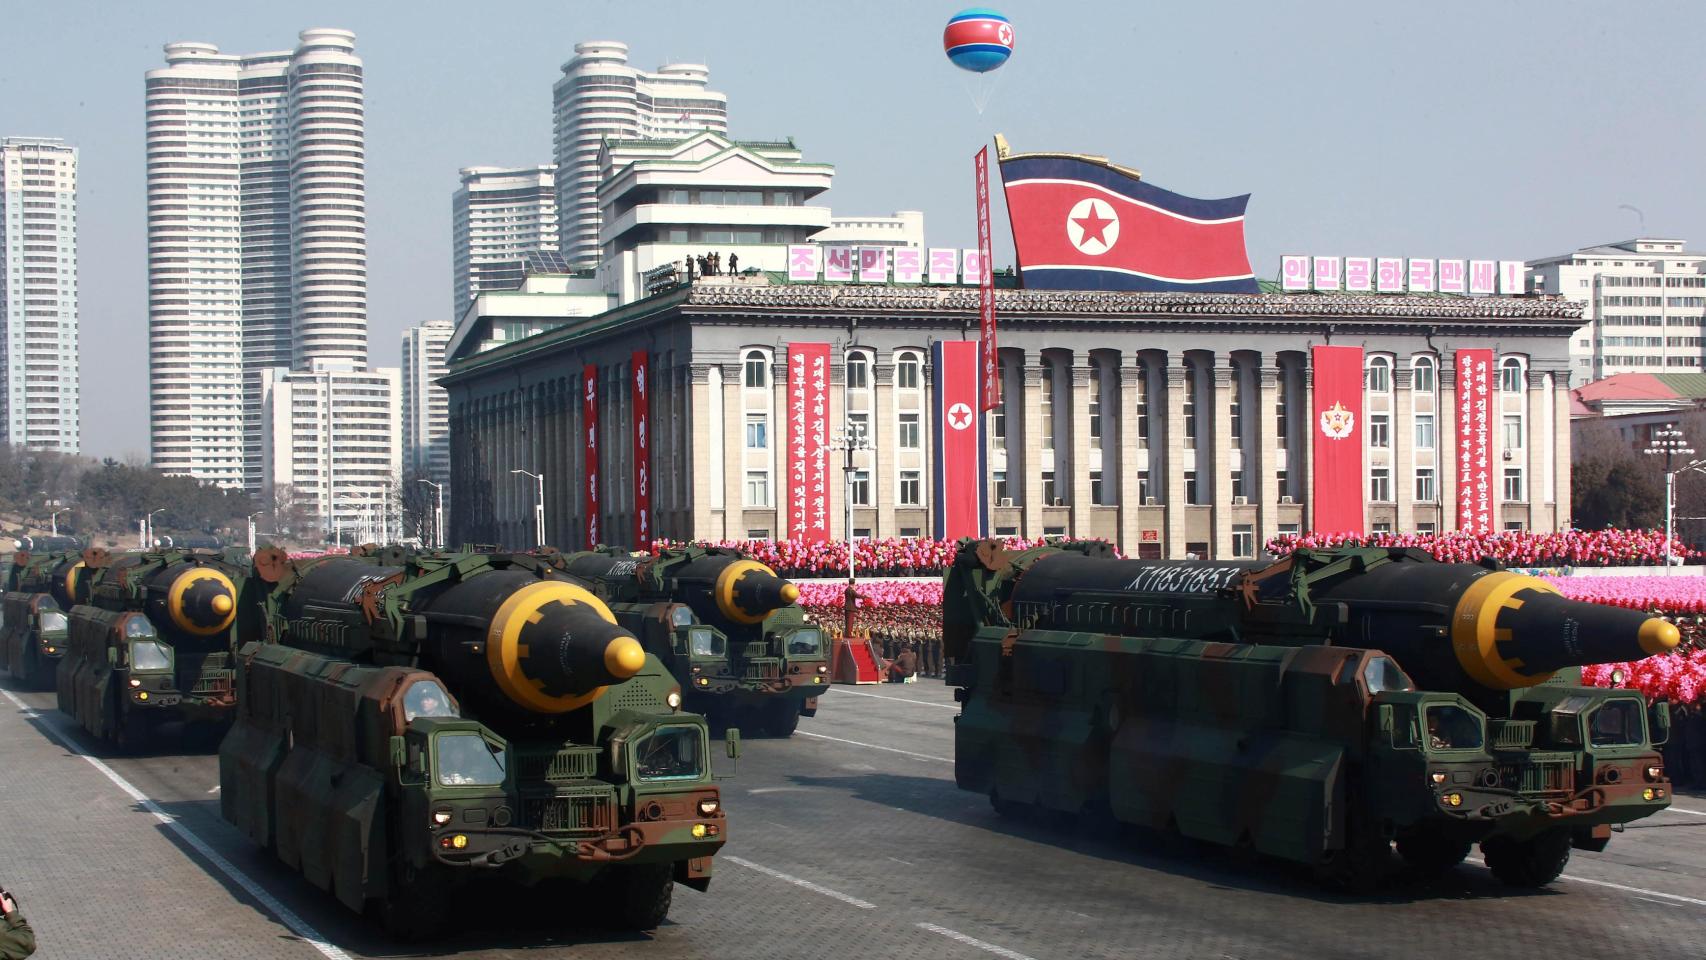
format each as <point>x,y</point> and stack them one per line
<point>1093,225</point>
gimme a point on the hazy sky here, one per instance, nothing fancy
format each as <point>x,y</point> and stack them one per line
<point>1502,130</point>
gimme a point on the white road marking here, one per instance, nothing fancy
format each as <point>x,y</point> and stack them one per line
<point>899,860</point>
<point>872,746</point>
<point>1637,891</point>
<point>801,882</point>
<point>1692,813</point>
<point>285,915</point>
<point>971,941</point>
<point>763,790</point>
<point>215,789</point>
<point>916,703</point>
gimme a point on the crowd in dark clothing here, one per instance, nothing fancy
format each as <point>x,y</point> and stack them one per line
<point>1685,754</point>
<point>711,265</point>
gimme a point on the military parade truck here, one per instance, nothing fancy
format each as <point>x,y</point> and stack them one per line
<point>33,626</point>
<point>725,625</point>
<point>151,640</point>
<point>416,724</point>
<point>1315,709</point>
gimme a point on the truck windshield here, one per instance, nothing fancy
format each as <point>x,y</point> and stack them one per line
<point>468,759</point>
<point>671,753</point>
<point>707,642</point>
<point>1616,724</point>
<point>1451,727</point>
<point>149,655</point>
<point>52,620</point>
<point>805,642</point>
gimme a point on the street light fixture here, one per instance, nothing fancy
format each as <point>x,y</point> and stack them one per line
<point>538,507</point>
<point>1668,442</point>
<point>438,514</point>
<point>851,438</point>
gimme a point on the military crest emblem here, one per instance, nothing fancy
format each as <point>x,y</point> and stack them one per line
<point>1337,422</point>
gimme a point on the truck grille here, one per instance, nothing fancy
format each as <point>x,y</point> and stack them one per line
<point>556,766</point>
<point>1540,776</point>
<point>1512,734</point>
<point>763,669</point>
<point>591,814</point>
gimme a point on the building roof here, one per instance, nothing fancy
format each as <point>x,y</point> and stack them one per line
<point>1626,386</point>
<point>1692,385</point>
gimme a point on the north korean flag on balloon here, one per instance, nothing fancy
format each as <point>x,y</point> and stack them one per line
<point>1083,225</point>
<point>961,496</point>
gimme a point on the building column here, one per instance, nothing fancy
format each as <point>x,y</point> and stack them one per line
<point>1536,440</point>
<point>1306,488</point>
<point>1033,460</point>
<point>1221,545</point>
<point>1268,456</point>
<point>1176,462</point>
<point>1563,516</point>
<point>705,498</point>
<point>1403,447</point>
<point>1446,454</point>
<point>1078,457</point>
<point>733,439</point>
<point>778,449</point>
<point>1126,454</point>
<point>885,428</point>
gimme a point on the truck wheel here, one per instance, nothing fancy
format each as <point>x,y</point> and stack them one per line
<point>1429,852</point>
<point>130,733</point>
<point>637,897</point>
<point>1528,863</point>
<point>416,907</point>
<point>1361,865</point>
<point>782,718</point>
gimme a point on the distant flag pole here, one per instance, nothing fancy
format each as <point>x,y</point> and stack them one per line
<point>989,376</point>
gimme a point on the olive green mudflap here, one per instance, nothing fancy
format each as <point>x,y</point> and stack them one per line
<point>427,722</point>
<point>1313,710</point>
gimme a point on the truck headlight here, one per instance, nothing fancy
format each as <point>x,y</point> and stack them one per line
<point>1654,772</point>
<point>674,700</point>
<point>708,806</point>
<point>440,817</point>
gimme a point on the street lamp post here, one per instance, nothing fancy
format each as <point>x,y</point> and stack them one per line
<point>1669,443</point>
<point>437,515</point>
<point>538,507</point>
<point>53,521</point>
<point>148,528</point>
<point>850,439</point>
<point>252,517</point>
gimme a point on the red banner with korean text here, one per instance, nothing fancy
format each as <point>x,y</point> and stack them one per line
<point>589,434</point>
<point>641,369</point>
<point>1474,473</point>
<point>989,365</point>
<point>808,441</point>
<point>1337,417</point>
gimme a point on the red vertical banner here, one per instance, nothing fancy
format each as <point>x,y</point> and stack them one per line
<point>589,431</point>
<point>641,368</point>
<point>960,495</point>
<point>808,441</point>
<point>989,392</point>
<point>1474,476</point>
<point>1338,491</point>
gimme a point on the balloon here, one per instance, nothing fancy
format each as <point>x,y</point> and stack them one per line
<point>978,39</point>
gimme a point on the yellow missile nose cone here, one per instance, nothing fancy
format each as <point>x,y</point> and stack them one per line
<point>221,604</point>
<point>1658,636</point>
<point>624,657</point>
<point>790,592</point>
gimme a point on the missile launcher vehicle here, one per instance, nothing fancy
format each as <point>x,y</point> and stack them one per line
<point>418,724</point>
<point>151,640</point>
<point>725,625</point>
<point>1316,709</point>
<point>33,626</point>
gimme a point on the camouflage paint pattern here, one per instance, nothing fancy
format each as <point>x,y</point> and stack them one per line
<point>33,627</point>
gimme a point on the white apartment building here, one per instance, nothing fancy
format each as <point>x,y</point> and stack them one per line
<point>39,387</point>
<point>663,201</point>
<point>331,444</point>
<point>903,228</point>
<point>1645,306</point>
<point>426,411</point>
<point>256,240</point>
<point>499,216</point>
<point>599,96</point>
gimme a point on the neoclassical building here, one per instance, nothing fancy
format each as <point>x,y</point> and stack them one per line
<point>1173,424</point>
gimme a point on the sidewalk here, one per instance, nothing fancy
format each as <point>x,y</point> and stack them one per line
<point>99,876</point>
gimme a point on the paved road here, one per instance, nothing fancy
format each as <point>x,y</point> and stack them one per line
<point>849,840</point>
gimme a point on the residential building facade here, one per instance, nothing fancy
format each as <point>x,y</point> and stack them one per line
<point>40,389</point>
<point>426,410</point>
<point>257,246</point>
<point>600,96</point>
<point>1644,306</point>
<point>499,216</point>
<point>331,445</point>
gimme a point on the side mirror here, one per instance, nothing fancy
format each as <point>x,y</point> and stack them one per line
<point>731,746</point>
<point>1387,723</point>
<point>112,657</point>
<point>399,752</point>
<point>1658,719</point>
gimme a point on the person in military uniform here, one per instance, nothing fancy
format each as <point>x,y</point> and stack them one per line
<point>426,699</point>
<point>904,664</point>
<point>17,940</point>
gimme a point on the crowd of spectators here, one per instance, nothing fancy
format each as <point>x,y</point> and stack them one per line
<point>1518,548</point>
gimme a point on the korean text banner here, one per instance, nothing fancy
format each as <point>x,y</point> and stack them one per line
<point>1474,476</point>
<point>641,369</point>
<point>589,431</point>
<point>989,389</point>
<point>1337,423</point>
<point>808,441</point>
<point>961,504</point>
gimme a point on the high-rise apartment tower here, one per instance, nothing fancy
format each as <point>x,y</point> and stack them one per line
<point>498,217</point>
<point>38,294</point>
<point>600,96</point>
